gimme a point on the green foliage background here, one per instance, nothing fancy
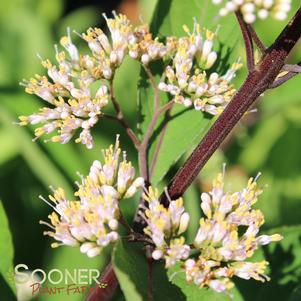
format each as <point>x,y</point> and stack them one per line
<point>268,141</point>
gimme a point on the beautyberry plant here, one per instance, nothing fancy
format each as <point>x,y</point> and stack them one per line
<point>78,91</point>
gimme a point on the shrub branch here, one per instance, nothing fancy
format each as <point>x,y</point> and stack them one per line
<point>261,78</point>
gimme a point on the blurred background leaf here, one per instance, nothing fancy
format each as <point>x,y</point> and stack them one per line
<point>6,252</point>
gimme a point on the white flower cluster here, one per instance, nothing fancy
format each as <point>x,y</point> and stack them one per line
<point>68,88</point>
<point>70,83</point>
<point>227,237</point>
<point>91,222</point>
<point>251,9</point>
<point>164,227</point>
<point>187,80</point>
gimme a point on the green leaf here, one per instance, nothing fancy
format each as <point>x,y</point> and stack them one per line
<point>171,15</point>
<point>186,126</point>
<point>50,11</point>
<point>184,131</point>
<point>18,54</point>
<point>278,99</point>
<point>9,149</point>
<point>147,8</point>
<point>131,269</point>
<point>6,250</point>
<point>192,206</point>
<point>193,292</point>
<point>267,134</point>
<point>80,19</point>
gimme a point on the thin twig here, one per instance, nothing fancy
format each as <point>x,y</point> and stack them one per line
<point>138,223</point>
<point>159,144</point>
<point>154,86</point>
<point>283,79</point>
<point>142,151</point>
<point>256,39</point>
<point>109,116</point>
<point>247,39</point>
<point>143,148</point>
<point>292,70</point>
<point>153,121</point>
<point>120,118</point>
<point>136,236</point>
<point>157,150</point>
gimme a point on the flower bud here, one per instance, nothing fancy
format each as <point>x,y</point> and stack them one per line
<point>94,252</point>
<point>157,254</point>
<point>184,221</point>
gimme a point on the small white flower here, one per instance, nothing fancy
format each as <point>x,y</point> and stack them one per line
<point>157,254</point>
<point>94,252</point>
<point>66,42</point>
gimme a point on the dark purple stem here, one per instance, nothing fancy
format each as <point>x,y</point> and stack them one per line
<point>247,39</point>
<point>256,39</point>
